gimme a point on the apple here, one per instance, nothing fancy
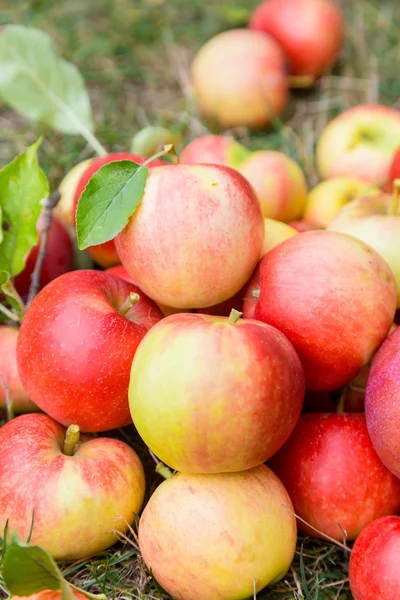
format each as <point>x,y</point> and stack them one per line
<point>239,78</point>
<point>275,232</point>
<point>215,150</point>
<point>310,32</point>
<point>105,254</point>
<point>193,250</point>
<point>334,477</point>
<point>394,170</point>
<point>334,297</point>
<point>328,197</point>
<point>374,570</point>
<point>58,258</point>
<point>226,535</point>
<point>376,221</point>
<point>302,225</point>
<point>64,209</point>
<point>9,373</point>
<point>360,143</point>
<point>78,491</point>
<point>279,183</point>
<point>211,395</point>
<point>76,345</point>
<point>382,406</point>
<point>252,292</point>
<point>49,595</point>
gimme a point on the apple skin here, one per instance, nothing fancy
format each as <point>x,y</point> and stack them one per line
<point>213,555</point>
<point>360,143</point>
<point>79,500</point>
<point>374,570</point>
<point>279,183</point>
<point>334,297</point>
<point>302,225</point>
<point>334,477</point>
<point>310,32</point>
<point>215,150</point>
<point>49,595</point>
<point>326,200</point>
<point>193,250</point>
<point>75,349</point>
<point>394,170</point>
<point>239,78</point>
<point>9,372</point>
<point>382,406</point>
<point>275,232</point>
<point>58,260</point>
<point>233,401</point>
<point>105,254</point>
<point>367,218</point>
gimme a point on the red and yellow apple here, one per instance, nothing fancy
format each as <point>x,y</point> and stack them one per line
<point>226,535</point>
<point>215,150</point>
<point>239,78</point>
<point>49,595</point>
<point>394,170</point>
<point>64,209</point>
<point>9,373</point>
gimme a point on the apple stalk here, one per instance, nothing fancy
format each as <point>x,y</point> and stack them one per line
<point>71,440</point>
<point>394,204</point>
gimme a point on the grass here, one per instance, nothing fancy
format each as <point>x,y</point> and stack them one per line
<point>135,57</point>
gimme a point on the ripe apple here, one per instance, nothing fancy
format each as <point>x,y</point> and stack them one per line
<point>360,143</point>
<point>9,373</point>
<point>226,535</point>
<point>231,403</point>
<point>58,259</point>
<point>334,297</point>
<point>193,250</point>
<point>376,221</point>
<point>76,346</point>
<point>302,225</point>
<point>105,254</point>
<point>252,292</point>
<point>328,197</point>
<point>279,184</point>
<point>394,170</point>
<point>78,493</point>
<point>64,209</point>
<point>382,402</point>
<point>215,150</point>
<point>275,232</point>
<point>49,595</point>
<point>239,78</point>
<point>334,477</point>
<point>309,31</point>
<point>374,570</point>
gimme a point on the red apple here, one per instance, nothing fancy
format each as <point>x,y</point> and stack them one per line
<point>309,31</point>
<point>374,568</point>
<point>239,78</point>
<point>9,373</point>
<point>215,150</point>
<point>58,258</point>
<point>252,291</point>
<point>49,595</point>
<point>334,297</point>
<point>334,477</point>
<point>79,494</point>
<point>105,254</point>
<point>382,402</point>
<point>394,170</point>
<point>226,535</point>
<point>76,346</point>
<point>193,250</point>
<point>224,396</point>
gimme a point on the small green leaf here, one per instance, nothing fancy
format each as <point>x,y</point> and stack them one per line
<point>13,298</point>
<point>110,198</point>
<point>22,186</point>
<point>1,228</point>
<point>237,154</point>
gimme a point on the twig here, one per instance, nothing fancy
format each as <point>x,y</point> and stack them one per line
<point>9,403</point>
<point>50,203</point>
<point>343,546</point>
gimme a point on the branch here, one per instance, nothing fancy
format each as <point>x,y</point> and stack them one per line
<point>9,403</point>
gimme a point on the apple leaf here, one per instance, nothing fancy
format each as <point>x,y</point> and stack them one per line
<point>1,229</point>
<point>11,294</point>
<point>22,187</point>
<point>108,201</point>
<point>36,82</point>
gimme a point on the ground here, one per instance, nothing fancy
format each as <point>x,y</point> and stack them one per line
<point>135,56</point>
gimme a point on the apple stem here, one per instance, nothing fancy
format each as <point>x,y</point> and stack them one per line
<point>234,316</point>
<point>394,204</point>
<point>161,469</point>
<point>86,593</point>
<point>9,314</point>
<point>71,440</point>
<point>168,149</point>
<point>342,399</point>
<point>301,82</point>
<point>129,302</point>
<point>49,204</point>
<point>9,402</point>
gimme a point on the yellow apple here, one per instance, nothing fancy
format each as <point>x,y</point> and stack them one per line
<point>275,233</point>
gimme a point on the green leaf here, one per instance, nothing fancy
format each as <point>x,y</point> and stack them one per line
<point>1,229</point>
<point>22,186</point>
<point>110,198</point>
<point>36,82</point>
<point>13,298</point>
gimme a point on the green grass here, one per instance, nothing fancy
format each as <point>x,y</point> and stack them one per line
<point>135,57</point>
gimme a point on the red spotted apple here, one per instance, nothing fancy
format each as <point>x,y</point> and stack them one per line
<point>215,150</point>
<point>239,78</point>
<point>374,568</point>
<point>334,477</point>
<point>226,535</point>
<point>193,250</point>
<point>76,346</point>
<point>360,143</point>
<point>77,492</point>
<point>9,373</point>
<point>334,297</point>
<point>224,395</point>
<point>309,31</point>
